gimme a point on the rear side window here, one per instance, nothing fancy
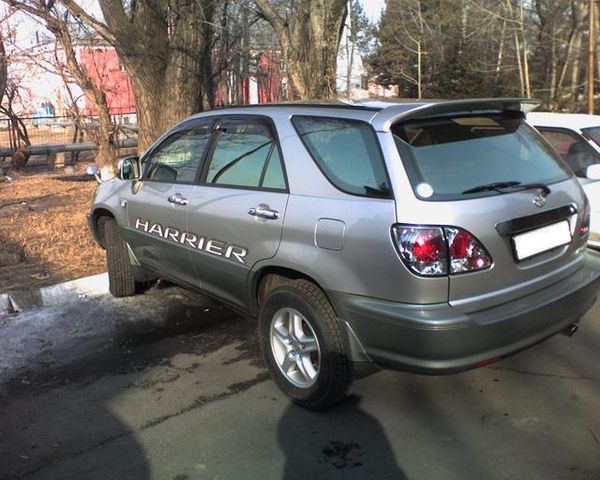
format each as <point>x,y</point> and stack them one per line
<point>347,152</point>
<point>463,157</point>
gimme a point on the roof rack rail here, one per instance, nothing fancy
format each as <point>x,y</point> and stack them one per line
<point>305,104</point>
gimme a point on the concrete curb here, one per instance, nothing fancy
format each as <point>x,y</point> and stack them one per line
<point>59,294</point>
<point>5,304</point>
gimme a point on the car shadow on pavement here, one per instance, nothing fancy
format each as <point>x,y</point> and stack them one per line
<point>341,442</point>
<point>51,435</point>
<point>68,399</point>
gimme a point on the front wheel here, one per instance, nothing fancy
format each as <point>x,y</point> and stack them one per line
<point>302,345</point>
<point>121,279</point>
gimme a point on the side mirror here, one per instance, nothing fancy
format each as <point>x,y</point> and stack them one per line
<point>129,168</point>
<point>94,170</point>
<point>593,172</point>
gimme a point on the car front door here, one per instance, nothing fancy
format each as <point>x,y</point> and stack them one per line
<point>158,204</point>
<point>238,209</point>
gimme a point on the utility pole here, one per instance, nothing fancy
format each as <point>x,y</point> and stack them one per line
<point>591,47</point>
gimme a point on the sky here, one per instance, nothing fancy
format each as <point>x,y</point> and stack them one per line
<point>373,8</point>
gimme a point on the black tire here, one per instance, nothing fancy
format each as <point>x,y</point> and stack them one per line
<point>334,377</point>
<point>121,280</point>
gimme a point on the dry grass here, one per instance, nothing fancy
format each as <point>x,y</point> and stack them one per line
<point>43,232</point>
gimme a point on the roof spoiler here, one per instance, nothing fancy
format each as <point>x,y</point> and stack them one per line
<point>383,120</point>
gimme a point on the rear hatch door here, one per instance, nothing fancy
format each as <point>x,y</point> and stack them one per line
<point>488,173</point>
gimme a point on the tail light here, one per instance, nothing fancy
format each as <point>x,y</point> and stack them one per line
<point>438,251</point>
<point>585,222</point>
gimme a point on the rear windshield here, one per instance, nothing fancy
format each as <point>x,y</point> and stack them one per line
<point>593,133</point>
<point>457,157</point>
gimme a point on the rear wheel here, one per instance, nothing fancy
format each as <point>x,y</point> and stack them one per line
<point>303,346</point>
<point>121,279</point>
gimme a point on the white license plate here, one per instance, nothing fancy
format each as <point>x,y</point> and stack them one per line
<point>542,239</point>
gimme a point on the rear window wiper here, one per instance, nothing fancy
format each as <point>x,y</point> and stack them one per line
<point>501,186</point>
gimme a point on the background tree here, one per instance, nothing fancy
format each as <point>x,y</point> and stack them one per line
<point>470,48</point>
<point>357,42</point>
<point>59,24</point>
<point>18,135</point>
<point>164,45</point>
<point>3,68</point>
<point>309,36</point>
<point>240,36</point>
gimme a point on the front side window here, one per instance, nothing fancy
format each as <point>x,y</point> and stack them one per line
<point>572,148</point>
<point>347,152</point>
<point>178,158</point>
<point>466,157</point>
<point>246,155</point>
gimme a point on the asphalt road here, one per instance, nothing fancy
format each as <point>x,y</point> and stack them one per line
<point>169,385</point>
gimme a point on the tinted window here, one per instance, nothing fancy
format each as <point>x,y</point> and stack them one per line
<point>347,153</point>
<point>245,156</point>
<point>177,159</point>
<point>593,133</point>
<point>274,177</point>
<point>445,157</point>
<point>572,148</point>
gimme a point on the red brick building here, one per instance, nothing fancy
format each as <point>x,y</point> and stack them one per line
<point>104,68</point>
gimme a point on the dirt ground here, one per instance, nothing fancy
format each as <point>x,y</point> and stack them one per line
<point>43,232</point>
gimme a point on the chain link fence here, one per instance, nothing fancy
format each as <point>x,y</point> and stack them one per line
<point>61,140</point>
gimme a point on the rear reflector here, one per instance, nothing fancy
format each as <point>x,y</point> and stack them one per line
<point>584,229</point>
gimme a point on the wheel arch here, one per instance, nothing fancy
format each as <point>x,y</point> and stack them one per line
<point>98,217</point>
<point>271,276</point>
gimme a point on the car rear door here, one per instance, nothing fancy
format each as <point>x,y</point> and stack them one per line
<point>158,203</point>
<point>238,209</point>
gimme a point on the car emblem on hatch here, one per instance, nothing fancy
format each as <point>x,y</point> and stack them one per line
<point>540,199</point>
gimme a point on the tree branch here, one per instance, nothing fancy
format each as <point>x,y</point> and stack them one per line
<point>85,17</point>
<point>271,16</point>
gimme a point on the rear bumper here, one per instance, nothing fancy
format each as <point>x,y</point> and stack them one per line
<point>439,339</point>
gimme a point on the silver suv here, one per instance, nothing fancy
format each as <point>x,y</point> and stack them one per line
<point>430,237</point>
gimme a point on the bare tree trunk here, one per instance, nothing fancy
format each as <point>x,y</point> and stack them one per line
<point>107,147</point>
<point>3,69</point>
<point>519,65</point>
<point>419,71</point>
<point>349,45</point>
<point>570,47</point>
<point>575,72</point>
<point>553,70</point>
<point>517,48</point>
<point>500,55</point>
<point>525,60</point>
<point>309,38</point>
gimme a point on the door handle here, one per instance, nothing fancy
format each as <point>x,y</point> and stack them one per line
<point>177,199</point>
<point>263,212</point>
